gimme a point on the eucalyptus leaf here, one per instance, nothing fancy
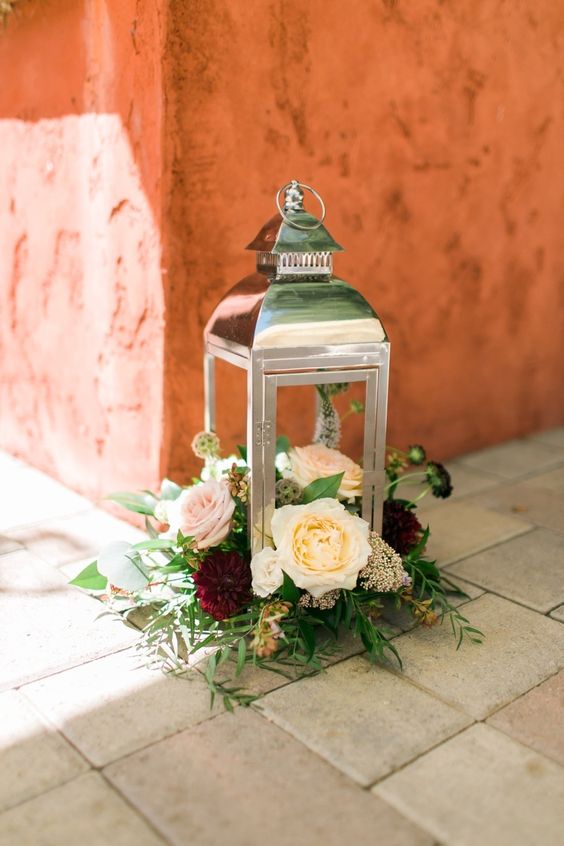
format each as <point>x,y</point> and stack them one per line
<point>90,578</point>
<point>282,444</point>
<point>140,503</point>
<point>154,543</point>
<point>321,488</point>
<point>122,565</point>
<point>170,490</point>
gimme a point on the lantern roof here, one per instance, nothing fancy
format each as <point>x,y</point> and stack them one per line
<point>293,300</point>
<point>293,229</point>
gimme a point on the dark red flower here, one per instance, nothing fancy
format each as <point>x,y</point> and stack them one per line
<point>400,527</point>
<point>224,583</point>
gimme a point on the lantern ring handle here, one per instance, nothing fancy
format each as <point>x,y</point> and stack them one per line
<point>293,223</point>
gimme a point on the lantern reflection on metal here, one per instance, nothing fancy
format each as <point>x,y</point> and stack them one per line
<point>293,323</point>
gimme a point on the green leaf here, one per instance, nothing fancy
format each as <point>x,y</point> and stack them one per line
<point>308,634</point>
<point>242,450</point>
<point>282,444</point>
<point>320,488</point>
<point>241,654</point>
<point>416,551</point>
<point>170,490</point>
<point>140,503</point>
<point>90,578</point>
<point>290,593</point>
<point>122,565</point>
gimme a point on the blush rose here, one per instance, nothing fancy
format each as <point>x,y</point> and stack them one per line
<point>317,461</point>
<point>203,512</point>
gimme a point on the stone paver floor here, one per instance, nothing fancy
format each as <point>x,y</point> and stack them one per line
<point>463,748</point>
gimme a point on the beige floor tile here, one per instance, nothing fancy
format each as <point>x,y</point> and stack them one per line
<point>482,788</point>
<point>83,812</point>
<point>552,437</point>
<point>558,613</point>
<point>74,538</point>
<point>34,756</point>
<point>528,501</point>
<point>464,480</point>
<point>359,717</point>
<point>34,496</point>
<point>521,648</point>
<point>537,718</point>
<point>113,706</point>
<point>528,569</point>
<point>553,481</point>
<point>238,779</point>
<point>459,529</point>
<point>513,459</point>
<point>259,681</point>
<point>47,625</point>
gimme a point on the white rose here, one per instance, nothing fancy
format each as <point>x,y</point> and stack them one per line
<point>321,546</point>
<point>267,574</point>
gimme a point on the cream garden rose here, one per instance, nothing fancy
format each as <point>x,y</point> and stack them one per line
<point>316,461</point>
<point>321,546</point>
<point>203,512</point>
<point>267,573</point>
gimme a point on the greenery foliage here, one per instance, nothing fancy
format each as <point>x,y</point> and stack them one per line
<point>152,584</point>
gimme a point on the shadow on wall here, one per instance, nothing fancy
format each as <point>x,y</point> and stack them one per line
<point>154,136</point>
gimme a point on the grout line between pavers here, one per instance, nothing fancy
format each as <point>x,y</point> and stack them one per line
<point>109,784</point>
<point>80,663</point>
<point>523,477</point>
<point>432,748</point>
<point>450,561</point>
<point>60,730</point>
<point>521,695</point>
<point>136,810</point>
<point>507,598</point>
<point>33,796</point>
<point>447,740</point>
<point>524,745</point>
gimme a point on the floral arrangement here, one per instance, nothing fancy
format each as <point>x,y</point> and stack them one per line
<point>196,592</point>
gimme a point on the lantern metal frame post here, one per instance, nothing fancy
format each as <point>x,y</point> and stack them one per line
<point>269,369</point>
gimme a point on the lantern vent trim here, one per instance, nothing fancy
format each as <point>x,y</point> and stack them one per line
<point>292,322</point>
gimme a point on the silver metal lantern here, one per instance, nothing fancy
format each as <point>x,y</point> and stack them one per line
<point>293,322</point>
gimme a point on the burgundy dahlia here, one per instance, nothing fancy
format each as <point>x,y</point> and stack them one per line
<point>224,583</point>
<point>400,527</point>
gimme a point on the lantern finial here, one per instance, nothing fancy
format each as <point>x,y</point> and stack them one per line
<point>294,197</point>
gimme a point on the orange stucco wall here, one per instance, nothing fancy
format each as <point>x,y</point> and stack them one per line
<point>141,146</point>
<point>81,322</point>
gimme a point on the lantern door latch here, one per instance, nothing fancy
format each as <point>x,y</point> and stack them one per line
<point>263,432</point>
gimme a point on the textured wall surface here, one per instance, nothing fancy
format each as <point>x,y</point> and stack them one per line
<point>434,132</point>
<point>132,142</point>
<point>80,281</point>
